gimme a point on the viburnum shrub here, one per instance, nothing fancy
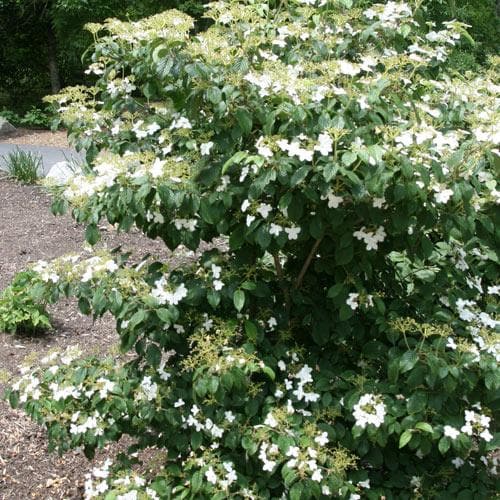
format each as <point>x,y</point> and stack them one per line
<point>338,337</point>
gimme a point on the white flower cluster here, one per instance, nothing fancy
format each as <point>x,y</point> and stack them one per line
<point>187,224</point>
<point>353,300</point>
<point>99,481</point>
<point>371,238</point>
<point>200,423</point>
<point>149,388</point>
<point>165,296</point>
<point>477,425</point>
<point>216,273</point>
<point>142,130</point>
<point>389,14</point>
<point>91,423</point>
<point>120,86</point>
<point>478,322</point>
<point>228,473</point>
<point>370,409</point>
<point>306,460</point>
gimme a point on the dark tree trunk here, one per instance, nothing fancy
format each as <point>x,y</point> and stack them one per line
<point>55,81</point>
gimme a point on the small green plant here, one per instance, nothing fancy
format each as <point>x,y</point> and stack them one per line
<point>20,308</point>
<point>36,118</point>
<point>24,166</point>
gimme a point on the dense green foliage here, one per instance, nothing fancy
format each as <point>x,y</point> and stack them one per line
<point>339,337</point>
<point>32,32</point>
<point>25,26</point>
<point>21,311</point>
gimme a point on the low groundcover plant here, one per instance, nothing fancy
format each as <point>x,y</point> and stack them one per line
<point>338,339</point>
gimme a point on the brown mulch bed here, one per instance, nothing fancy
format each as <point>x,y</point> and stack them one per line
<point>29,232</point>
<point>37,137</point>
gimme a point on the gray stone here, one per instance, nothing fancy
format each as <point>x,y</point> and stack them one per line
<point>61,171</point>
<point>6,127</point>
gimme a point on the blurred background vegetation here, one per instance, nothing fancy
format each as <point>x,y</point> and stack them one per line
<point>42,42</point>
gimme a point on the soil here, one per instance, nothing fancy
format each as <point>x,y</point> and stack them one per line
<point>37,137</point>
<point>29,232</point>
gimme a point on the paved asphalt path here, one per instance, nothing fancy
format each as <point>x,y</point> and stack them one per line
<point>49,155</point>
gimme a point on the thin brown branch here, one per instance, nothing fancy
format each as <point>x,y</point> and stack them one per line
<point>307,263</point>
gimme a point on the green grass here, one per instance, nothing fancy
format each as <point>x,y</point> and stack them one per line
<point>24,166</point>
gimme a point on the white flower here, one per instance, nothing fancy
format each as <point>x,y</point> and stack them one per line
<point>216,270</point>
<point>166,296</point>
<point>275,229</point>
<point>322,439</point>
<point>443,195</point>
<point>225,18</point>
<point>210,475</point>
<point>272,323</point>
<point>292,232</point>
<point>264,210</point>
<point>347,68</point>
<point>451,343</point>
<point>334,201</point>
<point>451,432</point>
<point>218,285</point>
<point>457,462</point>
<point>353,301</point>
<point>324,145</point>
<point>245,205</point>
<point>229,416</point>
<point>270,421</point>
<point>157,168</point>
<point>149,388</point>
<point>262,149</point>
<point>249,220</point>
<point>369,410</point>
<point>317,476</point>
<point>205,148</point>
<point>179,403</point>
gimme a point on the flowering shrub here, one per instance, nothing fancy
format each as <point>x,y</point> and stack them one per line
<point>338,339</point>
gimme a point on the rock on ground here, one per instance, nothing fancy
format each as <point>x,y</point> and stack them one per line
<point>6,127</point>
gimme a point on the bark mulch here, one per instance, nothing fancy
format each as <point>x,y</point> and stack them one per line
<point>36,137</point>
<point>29,232</point>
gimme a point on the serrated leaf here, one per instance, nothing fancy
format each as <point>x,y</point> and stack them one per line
<point>239,299</point>
<point>349,158</point>
<point>407,361</point>
<point>405,438</point>
<point>244,119</point>
<point>444,445</point>
<point>424,426</point>
<point>299,175</point>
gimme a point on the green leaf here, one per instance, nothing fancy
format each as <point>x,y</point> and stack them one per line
<point>14,398</point>
<point>251,330</point>
<point>344,255</point>
<point>335,290</point>
<point>424,426</point>
<point>196,480</point>
<point>92,234</point>
<point>153,355</point>
<point>235,159</point>
<point>408,361</point>
<point>244,119</point>
<point>299,175</point>
<point>269,372</point>
<point>444,445</point>
<point>349,158</point>
<point>405,438</point>
<point>239,299</point>
<point>249,445</point>
<point>196,440</point>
